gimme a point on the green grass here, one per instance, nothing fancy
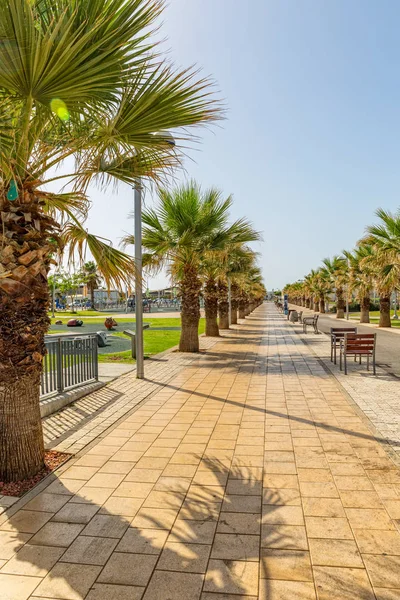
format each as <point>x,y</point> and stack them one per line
<point>173,322</point>
<point>154,342</point>
<point>374,317</point>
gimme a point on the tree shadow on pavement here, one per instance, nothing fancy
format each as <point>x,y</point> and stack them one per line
<point>154,536</point>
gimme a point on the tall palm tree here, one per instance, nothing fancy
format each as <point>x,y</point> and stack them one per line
<point>308,290</point>
<point>216,267</point>
<point>241,261</point>
<point>338,272</point>
<point>385,261</point>
<point>90,276</point>
<point>361,277</point>
<point>236,260</point>
<point>79,79</point>
<point>179,234</point>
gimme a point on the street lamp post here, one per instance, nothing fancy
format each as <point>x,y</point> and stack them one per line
<point>54,295</point>
<point>395,315</point>
<point>347,295</point>
<point>138,282</point>
<point>169,140</point>
<point>230,301</point>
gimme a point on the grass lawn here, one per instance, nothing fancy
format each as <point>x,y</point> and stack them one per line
<point>374,317</point>
<point>172,322</point>
<point>154,341</point>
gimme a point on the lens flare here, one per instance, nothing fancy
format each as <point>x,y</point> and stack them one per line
<point>60,109</point>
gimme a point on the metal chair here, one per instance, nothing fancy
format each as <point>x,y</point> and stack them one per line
<point>311,321</point>
<point>360,344</point>
<point>337,333</point>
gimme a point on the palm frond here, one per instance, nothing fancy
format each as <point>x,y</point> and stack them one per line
<point>116,267</point>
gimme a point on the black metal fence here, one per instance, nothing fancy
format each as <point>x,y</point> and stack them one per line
<point>71,361</point>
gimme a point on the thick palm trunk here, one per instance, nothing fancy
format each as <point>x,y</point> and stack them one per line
<point>223,305</point>
<point>21,444</point>
<point>25,257</point>
<point>190,312</point>
<point>384,311</point>
<point>234,303</point>
<point>316,305</point>
<point>340,304</point>
<point>322,304</point>
<point>242,308</point>
<point>234,311</point>
<point>92,297</point>
<point>364,308</point>
<point>308,302</point>
<point>211,308</point>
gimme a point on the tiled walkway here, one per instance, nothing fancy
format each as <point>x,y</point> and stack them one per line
<point>247,475</point>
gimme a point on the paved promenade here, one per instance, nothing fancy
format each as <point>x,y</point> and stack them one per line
<point>245,473</point>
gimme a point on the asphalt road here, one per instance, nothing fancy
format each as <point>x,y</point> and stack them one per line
<point>387,344</point>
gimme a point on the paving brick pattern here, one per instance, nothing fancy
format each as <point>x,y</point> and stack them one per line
<point>247,475</point>
<point>378,397</point>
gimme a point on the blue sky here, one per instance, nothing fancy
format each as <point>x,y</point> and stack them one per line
<point>310,147</point>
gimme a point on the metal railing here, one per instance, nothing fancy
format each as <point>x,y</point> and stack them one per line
<point>71,361</point>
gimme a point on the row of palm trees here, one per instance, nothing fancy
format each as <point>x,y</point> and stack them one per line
<point>189,234</point>
<point>85,97</point>
<point>373,265</point>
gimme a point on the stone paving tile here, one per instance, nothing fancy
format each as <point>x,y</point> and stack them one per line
<point>251,476</point>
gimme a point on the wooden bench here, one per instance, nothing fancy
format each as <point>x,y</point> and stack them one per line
<point>358,344</point>
<point>312,322</point>
<point>337,333</point>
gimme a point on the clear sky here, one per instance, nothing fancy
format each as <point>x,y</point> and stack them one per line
<point>310,147</point>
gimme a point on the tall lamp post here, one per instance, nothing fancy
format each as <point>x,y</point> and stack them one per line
<point>347,294</point>
<point>230,301</point>
<point>169,140</point>
<point>54,294</point>
<point>395,315</point>
<point>138,282</point>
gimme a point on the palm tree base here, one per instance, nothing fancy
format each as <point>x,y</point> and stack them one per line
<point>21,436</point>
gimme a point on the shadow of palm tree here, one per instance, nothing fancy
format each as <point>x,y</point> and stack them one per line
<point>77,540</point>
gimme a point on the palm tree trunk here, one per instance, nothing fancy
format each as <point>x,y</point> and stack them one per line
<point>234,303</point>
<point>223,305</point>
<point>364,308</point>
<point>190,313</point>
<point>242,308</point>
<point>308,303</point>
<point>211,308</point>
<point>340,303</point>
<point>234,311</point>
<point>316,305</point>
<point>92,297</point>
<point>24,301</point>
<point>384,311</point>
<point>322,304</point>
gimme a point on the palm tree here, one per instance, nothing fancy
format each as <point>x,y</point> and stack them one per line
<point>338,272</point>
<point>255,289</point>
<point>236,259</point>
<point>241,261</point>
<point>385,260</point>
<point>210,268</point>
<point>187,225</point>
<point>308,290</point>
<point>361,277</point>
<point>90,276</point>
<point>78,80</point>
